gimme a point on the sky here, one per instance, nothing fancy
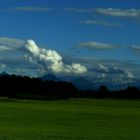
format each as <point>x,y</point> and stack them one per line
<point>92,38</point>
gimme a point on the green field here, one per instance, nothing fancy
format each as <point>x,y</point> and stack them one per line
<point>82,119</point>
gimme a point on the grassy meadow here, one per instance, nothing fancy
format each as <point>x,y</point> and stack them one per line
<point>76,119</point>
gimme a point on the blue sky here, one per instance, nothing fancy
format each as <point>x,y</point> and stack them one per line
<point>100,35</point>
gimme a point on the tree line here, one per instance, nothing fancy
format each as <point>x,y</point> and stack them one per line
<point>23,87</point>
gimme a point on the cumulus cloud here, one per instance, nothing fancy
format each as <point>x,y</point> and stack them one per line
<point>100,22</point>
<point>126,13</point>
<point>50,60</point>
<point>40,59</point>
<point>96,45</point>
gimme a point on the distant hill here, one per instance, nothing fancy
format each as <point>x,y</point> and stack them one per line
<point>79,82</point>
<point>50,77</point>
<point>82,83</point>
<point>3,73</point>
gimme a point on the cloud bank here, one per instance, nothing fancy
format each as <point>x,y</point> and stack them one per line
<point>30,59</point>
<point>109,70</point>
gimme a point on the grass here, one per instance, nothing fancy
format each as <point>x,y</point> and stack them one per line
<point>82,119</point>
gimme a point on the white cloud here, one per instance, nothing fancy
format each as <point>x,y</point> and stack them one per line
<point>8,44</point>
<point>103,75</point>
<point>44,60</point>
<point>5,48</point>
<point>104,68</point>
<point>11,42</point>
<point>127,13</point>
<point>129,75</point>
<point>100,22</point>
<point>112,72</point>
<point>50,60</point>
<point>96,45</point>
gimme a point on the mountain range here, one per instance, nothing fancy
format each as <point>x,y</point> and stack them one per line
<point>85,83</point>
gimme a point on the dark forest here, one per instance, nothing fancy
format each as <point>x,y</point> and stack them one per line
<point>22,87</point>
